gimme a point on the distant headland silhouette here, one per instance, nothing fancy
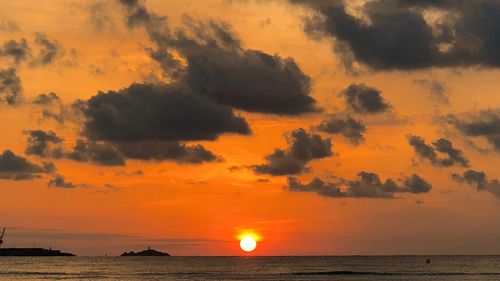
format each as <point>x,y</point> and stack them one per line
<point>29,252</point>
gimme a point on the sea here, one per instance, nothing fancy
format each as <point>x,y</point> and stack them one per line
<point>252,268</point>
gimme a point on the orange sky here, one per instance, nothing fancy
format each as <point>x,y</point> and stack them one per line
<point>200,209</point>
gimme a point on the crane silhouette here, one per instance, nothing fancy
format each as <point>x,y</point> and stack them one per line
<point>1,237</point>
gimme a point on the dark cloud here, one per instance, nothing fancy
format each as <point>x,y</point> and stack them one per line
<point>455,156</point>
<point>440,146</point>
<point>367,185</point>
<point>256,82</point>
<point>171,66</point>
<point>159,151</point>
<point>10,86</point>
<point>59,181</point>
<point>49,50</point>
<point>47,99</point>
<point>98,153</point>
<point>415,184</point>
<point>345,125</point>
<point>17,50</point>
<point>436,90</point>
<point>479,180</point>
<point>362,99</point>
<point>220,68</point>
<point>303,147</point>
<point>44,144</point>
<point>137,13</point>
<point>396,34</point>
<point>48,144</point>
<point>53,108</point>
<point>14,167</point>
<point>144,112</point>
<point>422,149</point>
<point>281,163</point>
<point>483,124</point>
<point>247,79</point>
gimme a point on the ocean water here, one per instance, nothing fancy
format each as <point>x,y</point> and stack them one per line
<point>251,268</point>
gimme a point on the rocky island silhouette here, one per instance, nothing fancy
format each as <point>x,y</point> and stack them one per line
<point>145,253</point>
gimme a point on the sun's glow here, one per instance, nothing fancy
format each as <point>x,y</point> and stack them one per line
<point>248,243</point>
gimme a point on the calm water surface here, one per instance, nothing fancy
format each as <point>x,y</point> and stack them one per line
<point>251,268</point>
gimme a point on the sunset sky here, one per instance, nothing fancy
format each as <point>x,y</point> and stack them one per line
<point>321,127</point>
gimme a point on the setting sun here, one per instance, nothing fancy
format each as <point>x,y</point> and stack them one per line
<point>248,243</point>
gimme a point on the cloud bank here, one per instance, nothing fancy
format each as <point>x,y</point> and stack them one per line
<point>398,35</point>
<point>367,185</point>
